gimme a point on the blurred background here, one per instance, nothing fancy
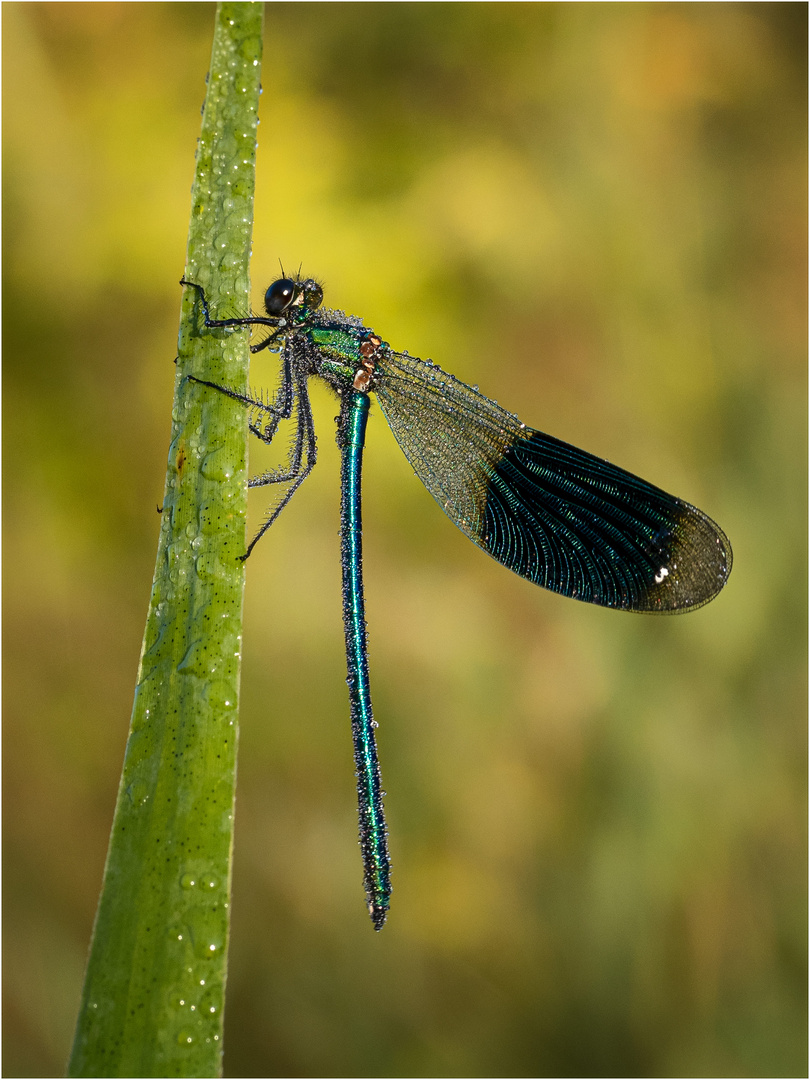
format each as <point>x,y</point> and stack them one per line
<point>597,821</point>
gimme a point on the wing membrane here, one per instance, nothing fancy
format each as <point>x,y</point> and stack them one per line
<point>556,515</point>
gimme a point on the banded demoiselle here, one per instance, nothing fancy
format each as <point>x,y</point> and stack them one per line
<point>556,515</point>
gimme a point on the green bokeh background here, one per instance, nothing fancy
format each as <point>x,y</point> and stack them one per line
<point>598,821</point>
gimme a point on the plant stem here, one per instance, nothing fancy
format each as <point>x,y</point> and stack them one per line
<point>153,996</point>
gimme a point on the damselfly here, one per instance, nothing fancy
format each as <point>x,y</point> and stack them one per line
<point>558,516</point>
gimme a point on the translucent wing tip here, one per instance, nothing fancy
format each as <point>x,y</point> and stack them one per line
<point>695,564</point>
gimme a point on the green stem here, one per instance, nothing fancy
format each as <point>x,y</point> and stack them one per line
<point>153,996</point>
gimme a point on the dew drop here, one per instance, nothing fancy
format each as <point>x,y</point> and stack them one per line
<point>138,793</point>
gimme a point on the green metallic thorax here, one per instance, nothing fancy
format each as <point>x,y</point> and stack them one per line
<point>336,340</point>
<point>339,351</point>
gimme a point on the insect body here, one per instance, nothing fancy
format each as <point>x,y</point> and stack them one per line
<point>556,515</point>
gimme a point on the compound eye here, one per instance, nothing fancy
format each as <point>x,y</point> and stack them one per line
<point>279,296</point>
<point>313,294</point>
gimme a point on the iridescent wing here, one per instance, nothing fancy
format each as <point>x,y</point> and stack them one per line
<point>556,515</point>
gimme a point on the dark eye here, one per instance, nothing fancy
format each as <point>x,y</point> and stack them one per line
<point>313,294</point>
<point>279,296</point>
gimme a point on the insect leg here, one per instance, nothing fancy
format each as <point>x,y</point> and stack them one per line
<point>292,395</point>
<point>301,461</point>
<point>209,322</point>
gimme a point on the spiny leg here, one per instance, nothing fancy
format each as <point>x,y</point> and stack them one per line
<point>301,462</point>
<point>253,320</point>
<point>292,394</point>
<point>283,405</point>
<point>281,409</point>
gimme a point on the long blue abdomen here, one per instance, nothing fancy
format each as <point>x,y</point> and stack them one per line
<point>373,833</point>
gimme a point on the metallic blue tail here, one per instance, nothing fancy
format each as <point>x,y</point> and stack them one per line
<point>373,832</point>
